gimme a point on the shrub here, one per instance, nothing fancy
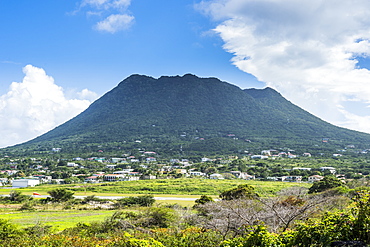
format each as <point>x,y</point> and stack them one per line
<point>27,206</point>
<point>258,236</point>
<point>189,237</point>
<point>203,200</point>
<point>60,195</point>
<point>156,217</point>
<point>326,183</point>
<point>143,201</point>
<point>243,191</point>
<point>16,196</point>
<point>8,230</point>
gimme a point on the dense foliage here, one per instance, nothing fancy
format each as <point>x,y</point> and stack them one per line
<point>293,218</point>
<point>243,191</point>
<point>190,116</point>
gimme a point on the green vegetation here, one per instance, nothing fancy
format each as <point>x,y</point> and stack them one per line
<point>292,218</point>
<point>326,183</point>
<point>191,117</point>
<point>57,218</point>
<point>60,195</point>
<point>169,187</point>
<point>185,119</point>
<point>143,201</point>
<point>243,191</point>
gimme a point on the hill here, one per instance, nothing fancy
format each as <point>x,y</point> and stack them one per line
<point>188,115</point>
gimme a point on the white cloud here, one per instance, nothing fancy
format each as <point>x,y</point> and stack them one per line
<point>113,13</point>
<point>114,23</point>
<point>305,49</point>
<point>35,106</point>
<point>106,4</point>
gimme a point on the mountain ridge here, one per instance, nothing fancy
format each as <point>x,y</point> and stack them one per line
<point>177,114</point>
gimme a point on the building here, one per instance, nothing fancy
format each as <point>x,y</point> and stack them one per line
<point>328,168</point>
<point>22,183</point>
<point>259,157</point>
<point>243,175</point>
<point>196,173</point>
<point>71,164</point>
<point>92,179</point>
<point>113,177</point>
<point>216,176</point>
<point>314,178</point>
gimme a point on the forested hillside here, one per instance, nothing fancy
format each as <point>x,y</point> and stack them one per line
<point>190,115</point>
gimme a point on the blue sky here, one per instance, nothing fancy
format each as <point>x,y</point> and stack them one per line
<point>165,38</point>
<point>56,57</point>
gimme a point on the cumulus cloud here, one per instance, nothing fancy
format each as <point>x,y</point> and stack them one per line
<point>35,106</point>
<point>308,50</point>
<point>114,23</point>
<point>112,12</point>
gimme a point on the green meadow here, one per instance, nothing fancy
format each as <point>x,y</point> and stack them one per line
<point>164,187</point>
<point>59,219</point>
<point>167,189</point>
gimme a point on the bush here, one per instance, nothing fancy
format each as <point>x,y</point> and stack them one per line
<point>203,200</point>
<point>27,206</point>
<point>258,236</point>
<point>17,197</point>
<point>189,237</point>
<point>60,195</point>
<point>326,183</point>
<point>157,217</point>
<point>243,191</point>
<point>8,230</point>
<point>143,201</point>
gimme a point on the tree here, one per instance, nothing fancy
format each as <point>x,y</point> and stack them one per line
<point>203,200</point>
<point>60,195</point>
<point>16,196</point>
<point>243,191</point>
<point>326,183</point>
<point>8,230</point>
<point>144,201</point>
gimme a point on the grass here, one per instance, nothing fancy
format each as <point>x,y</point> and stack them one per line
<point>171,187</point>
<point>60,219</point>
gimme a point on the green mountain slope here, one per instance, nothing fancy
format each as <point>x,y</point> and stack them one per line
<point>187,115</point>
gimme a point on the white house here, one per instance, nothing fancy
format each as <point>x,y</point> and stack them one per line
<point>92,179</point>
<point>243,175</point>
<point>291,178</point>
<point>259,157</point>
<point>216,176</point>
<point>314,178</point>
<point>22,183</point>
<point>328,168</point>
<point>151,159</point>
<point>110,166</point>
<point>113,177</point>
<point>196,173</point>
<point>71,164</point>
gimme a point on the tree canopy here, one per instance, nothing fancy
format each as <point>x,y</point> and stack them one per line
<point>243,191</point>
<point>61,195</point>
<point>326,183</point>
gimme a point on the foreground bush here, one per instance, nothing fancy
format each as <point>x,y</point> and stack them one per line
<point>143,201</point>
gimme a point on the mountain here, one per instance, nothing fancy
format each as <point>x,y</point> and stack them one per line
<point>192,115</point>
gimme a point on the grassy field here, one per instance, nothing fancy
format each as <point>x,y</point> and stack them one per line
<point>59,219</point>
<point>170,188</point>
<point>164,187</point>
